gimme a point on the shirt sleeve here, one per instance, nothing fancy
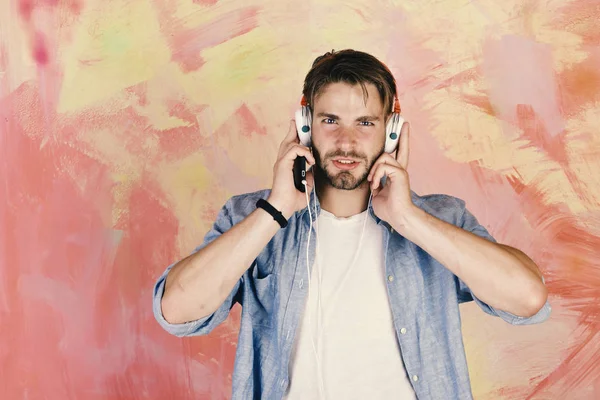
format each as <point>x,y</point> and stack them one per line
<point>204,325</point>
<point>470,223</point>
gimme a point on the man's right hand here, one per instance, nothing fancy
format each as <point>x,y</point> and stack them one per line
<point>284,195</point>
<point>199,284</point>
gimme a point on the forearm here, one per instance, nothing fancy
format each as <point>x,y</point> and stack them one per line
<point>499,275</point>
<point>197,285</point>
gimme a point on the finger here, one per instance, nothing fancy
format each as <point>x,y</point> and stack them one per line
<point>291,137</point>
<point>384,169</point>
<point>310,180</point>
<point>297,150</point>
<point>402,155</point>
<point>385,158</point>
<point>375,192</point>
<point>376,176</point>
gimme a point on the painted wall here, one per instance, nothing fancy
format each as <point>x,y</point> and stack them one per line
<point>125,125</point>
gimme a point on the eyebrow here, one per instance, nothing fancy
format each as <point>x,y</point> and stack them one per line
<point>361,118</point>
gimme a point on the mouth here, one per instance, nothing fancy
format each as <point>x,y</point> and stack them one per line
<point>345,164</point>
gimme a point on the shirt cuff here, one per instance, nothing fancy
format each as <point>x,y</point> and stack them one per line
<point>180,330</point>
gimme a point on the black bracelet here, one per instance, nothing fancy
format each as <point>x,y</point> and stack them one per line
<point>277,216</point>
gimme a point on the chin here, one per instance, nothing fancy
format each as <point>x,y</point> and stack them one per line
<point>346,180</point>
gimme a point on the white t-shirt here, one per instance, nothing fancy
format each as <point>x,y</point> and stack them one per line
<point>357,345</point>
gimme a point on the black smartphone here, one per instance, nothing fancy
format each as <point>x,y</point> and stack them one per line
<point>300,173</point>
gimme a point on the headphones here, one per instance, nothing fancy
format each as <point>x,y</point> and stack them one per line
<point>303,119</point>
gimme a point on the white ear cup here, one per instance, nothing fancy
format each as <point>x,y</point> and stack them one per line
<point>392,132</point>
<point>303,119</point>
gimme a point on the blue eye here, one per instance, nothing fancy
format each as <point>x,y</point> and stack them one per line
<point>329,121</point>
<point>367,123</point>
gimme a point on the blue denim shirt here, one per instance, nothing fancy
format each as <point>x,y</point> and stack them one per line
<point>424,298</point>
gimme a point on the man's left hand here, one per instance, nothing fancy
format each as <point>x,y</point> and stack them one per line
<point>392,202</point>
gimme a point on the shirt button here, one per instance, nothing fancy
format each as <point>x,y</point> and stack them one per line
<point>415,378</point>
<point>301,284</point>
<point>403,331</point>
<point>390,278</point>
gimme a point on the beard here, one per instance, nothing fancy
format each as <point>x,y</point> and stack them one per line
<point>344,180</point>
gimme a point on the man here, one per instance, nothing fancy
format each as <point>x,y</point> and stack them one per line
<point>378,317</point>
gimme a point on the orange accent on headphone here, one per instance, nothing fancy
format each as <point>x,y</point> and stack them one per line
<point>396,105</point>
<point>303,102</point>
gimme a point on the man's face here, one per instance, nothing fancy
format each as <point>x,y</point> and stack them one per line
<point>348,134</point>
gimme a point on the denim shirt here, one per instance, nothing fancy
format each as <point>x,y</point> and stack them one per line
<point>424,298</point>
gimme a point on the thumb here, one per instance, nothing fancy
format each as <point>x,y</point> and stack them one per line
<point>375,192</point>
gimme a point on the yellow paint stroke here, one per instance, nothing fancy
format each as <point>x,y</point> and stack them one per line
<point>118,44</point>
<point>232,71</point>
<point>467,134</point>
<point>192,195</point>
<point>455,30</point>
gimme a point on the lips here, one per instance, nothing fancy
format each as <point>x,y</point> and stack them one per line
<point>345,164</point>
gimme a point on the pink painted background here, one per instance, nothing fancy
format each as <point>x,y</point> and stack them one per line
<point>125,125</point>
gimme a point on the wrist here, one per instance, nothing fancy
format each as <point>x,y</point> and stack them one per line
<point>280,206</point>
<point>274,212</point>
<point>408,219</point>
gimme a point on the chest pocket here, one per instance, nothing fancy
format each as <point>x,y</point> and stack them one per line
<point>262,290</point>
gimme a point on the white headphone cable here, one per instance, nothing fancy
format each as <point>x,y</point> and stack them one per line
<point>318,359</point>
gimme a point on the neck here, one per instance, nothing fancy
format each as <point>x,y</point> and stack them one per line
<point>343,203</point>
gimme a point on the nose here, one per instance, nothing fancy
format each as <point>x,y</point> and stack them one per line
<point>346,138</point>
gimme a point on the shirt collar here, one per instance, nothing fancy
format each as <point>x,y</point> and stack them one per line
<point>315,205</point>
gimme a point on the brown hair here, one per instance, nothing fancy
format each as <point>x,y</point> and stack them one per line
<point>352,67</point>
